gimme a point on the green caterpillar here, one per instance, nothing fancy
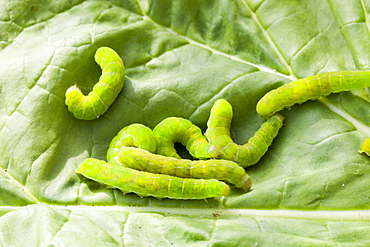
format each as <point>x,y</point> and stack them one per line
<point>311,88</point>
<point>218,134</point>
<point>365,147</point>
<point>220,144</point>
<point>175,129</point>
<point>148,184</point>
<point>104,92</point>
<point>218,169</point>
<point>134,135</point>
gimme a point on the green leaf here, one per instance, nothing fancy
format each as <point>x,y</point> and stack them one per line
<point>310,189</point>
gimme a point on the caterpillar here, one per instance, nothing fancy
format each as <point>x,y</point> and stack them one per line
<point>175,129</point>
<point>311,88</point>
<point>104,92</point>
<point>365,147</point>
<point>135,135</point>
<point>218,169</point>
<point>218,134</point>
<point>149,184</point>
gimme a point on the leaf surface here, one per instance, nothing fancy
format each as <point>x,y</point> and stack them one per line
<point>310,189</point>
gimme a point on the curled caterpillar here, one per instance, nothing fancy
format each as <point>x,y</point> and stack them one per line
<point>149,184</point>
<point>134,135</point>
<point>311,88</point>
<point>104,92</point>
<point>175,129</point>
<point>218,169</point>
<point>218,134</point>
